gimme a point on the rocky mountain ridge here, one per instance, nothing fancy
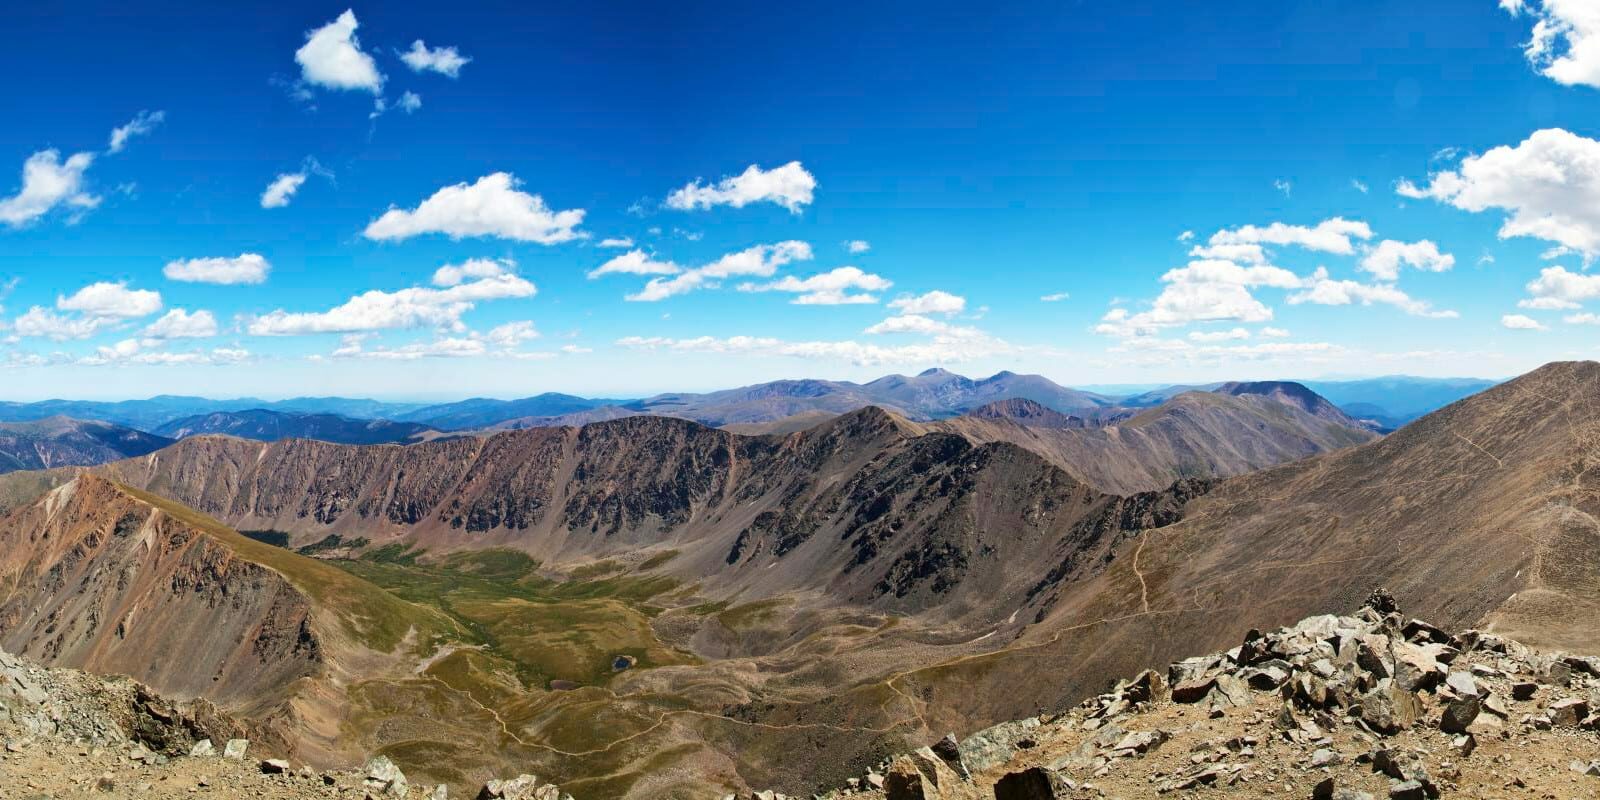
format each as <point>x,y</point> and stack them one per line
<point>61,441</point>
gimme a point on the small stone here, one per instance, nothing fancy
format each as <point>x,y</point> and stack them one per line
<point>274,766</point>
<point>1407,790</point>
<point>203,749</point>
<point>235,749</point>
<point>1524,690</point>
<point>1459,714</point>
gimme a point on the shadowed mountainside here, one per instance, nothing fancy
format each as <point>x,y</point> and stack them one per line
<point>62,442</point>
<point>1194,435</point>
<point>267,426</point>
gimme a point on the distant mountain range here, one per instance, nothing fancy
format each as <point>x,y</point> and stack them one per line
<point>270,426</point>
<point>1384,403</point>
<point>66,442</point>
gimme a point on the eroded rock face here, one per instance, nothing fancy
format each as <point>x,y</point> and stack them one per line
<point>102,581</point>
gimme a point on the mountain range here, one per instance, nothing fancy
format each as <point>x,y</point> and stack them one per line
<point>651,607</point>
<point>62,441</point>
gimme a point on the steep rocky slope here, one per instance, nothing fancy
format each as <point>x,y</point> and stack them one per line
<point>100,577</point>
<point>270,426</point>
<point>1353,707</point>
<point>1194,435</point>
<point>63,441</point>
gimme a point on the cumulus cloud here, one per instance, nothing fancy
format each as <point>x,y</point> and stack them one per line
<point>111,301</point>
<point>48,183</point>
<point>1357,185</point>
<point>840,286</point>
<point>1330,236</point>
<point>1565,44</point>
<point>790,186</point>
<point>616,241</point>
<point>332,58</point>
<point>1323,290</point>
<point>1518,322</point>
<point>1274,333</point>
<point>1207,290</point>
<point>760,261</point>
<point>245,268</point>
<point>934,302</point>
<point>410,102</point>
<point>446,61</point>
<point>856,246</point>
<point>635,262</point>
<point>1384,260</point>
<point>502,341</point>
<point>492,206</point>
<point>407,308</point>
<point>141,124</point>
<point>1284,186</point>
<point>1558,288</point>
<point>1549,185</point>
<point>472,269</point>
<point>43,323</point>
<point>181,324</point>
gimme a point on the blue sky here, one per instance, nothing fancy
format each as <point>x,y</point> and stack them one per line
<point>1436,162</point>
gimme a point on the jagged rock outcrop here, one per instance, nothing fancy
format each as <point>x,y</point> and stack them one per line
<point>1305,711</point>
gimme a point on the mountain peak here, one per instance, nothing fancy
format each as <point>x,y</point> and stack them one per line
<point>936,372</point>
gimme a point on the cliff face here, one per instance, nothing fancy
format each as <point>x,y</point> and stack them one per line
<point>96,579</point>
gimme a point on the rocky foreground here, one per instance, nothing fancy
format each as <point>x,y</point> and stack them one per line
<point>1334,708</point>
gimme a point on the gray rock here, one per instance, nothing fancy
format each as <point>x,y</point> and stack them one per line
<point>383,777</point>
<point>994,746</point>
<point>1389,709</point>
<point>274,766</point>
<point>1460,713</point>
<point>203,749</point>
<point>235,749</point>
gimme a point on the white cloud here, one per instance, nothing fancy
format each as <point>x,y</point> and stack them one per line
<point>1549,185</point>
<point>935,352</point>
<point>830,288</point>
<point>1325,291</point>
<point>1565,44</point>
<point>1220,336</point>
<point>282,189</point>
<point>472,269</point>
<point>446,61</point>
<point>760,261</point>
<point>1518,322</point>
<point>511,334</point>
<point>934,302</point>
<point>141,124</point>
<point>48,183</point>
<point>1055,298</point>
<point>856,246</point>
<point>573,349</point>
<point>1284,186</point>
<point>135,351</point>
<point>332,58</point>
<point>111,301</point>
<point>1384,260</point>
<point>1582,319</point>
<point>490,207</point>
<point>1186,236</point>
<point>1557,288</point>
<point>44,323</point>
<point>180,324</point>
<point>790,186</point>
<point>635,262</point>
<point>1330,236</point>
<point>616,241</point>
<point>407,308</point>
<point>1207,290</point>
<point>1359,186</point>
<point>410,102</point>
<point>243,268</point>
<point>1274,333</point>
<point>1239,253</point>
